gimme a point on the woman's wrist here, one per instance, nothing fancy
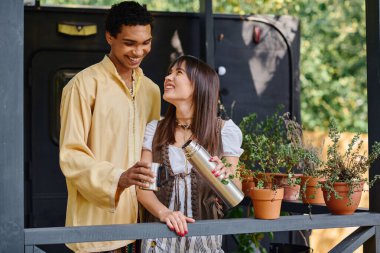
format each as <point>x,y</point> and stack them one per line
<point>162,213</point>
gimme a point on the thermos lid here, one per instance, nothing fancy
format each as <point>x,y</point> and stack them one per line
<point>189,148</point>
<point>186,144</point>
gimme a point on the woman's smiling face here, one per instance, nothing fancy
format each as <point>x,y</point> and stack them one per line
<point>177,85</point>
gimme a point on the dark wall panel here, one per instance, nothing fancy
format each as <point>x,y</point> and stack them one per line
<point>256,60</point>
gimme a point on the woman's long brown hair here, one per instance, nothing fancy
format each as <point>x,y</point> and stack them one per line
<point>205,100</point>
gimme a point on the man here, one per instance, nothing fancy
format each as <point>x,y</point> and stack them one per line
<point>104,111</point>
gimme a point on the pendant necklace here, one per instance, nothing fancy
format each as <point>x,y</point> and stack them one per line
<point>184,126</point>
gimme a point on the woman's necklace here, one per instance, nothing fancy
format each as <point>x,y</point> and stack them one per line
<point>183,125</point>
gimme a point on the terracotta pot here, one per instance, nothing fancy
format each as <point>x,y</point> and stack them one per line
<point>247,184</point>
<point>267,203</point>
<point>343,206</point>
<point>291,192</point>
<point>312,194</point>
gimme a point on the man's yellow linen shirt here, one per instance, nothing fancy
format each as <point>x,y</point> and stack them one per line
<point>102,129</point>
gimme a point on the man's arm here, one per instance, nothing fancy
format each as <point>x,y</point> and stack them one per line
<point>97,181</point>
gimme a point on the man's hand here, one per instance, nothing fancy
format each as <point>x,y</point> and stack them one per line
<point>139,174</point>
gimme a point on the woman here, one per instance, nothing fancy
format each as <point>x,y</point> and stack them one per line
<point>191,88</point>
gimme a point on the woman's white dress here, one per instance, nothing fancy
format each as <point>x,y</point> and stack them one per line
<point>231,141</point>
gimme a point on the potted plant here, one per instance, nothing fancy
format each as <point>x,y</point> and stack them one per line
<point>310,163</point>
<point>291,153</point>
<point>344,172</point>
<point>312,178</point>
<point>266,150</point>
<point>290,157</point>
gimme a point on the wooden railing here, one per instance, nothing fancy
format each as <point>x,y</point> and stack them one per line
<point>368,223</point>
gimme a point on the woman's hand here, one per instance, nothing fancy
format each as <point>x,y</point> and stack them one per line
<point>176,221</point>
<point>220,168</point>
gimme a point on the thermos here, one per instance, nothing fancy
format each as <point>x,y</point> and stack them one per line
<point>157,171</point>
<point>200,159</point>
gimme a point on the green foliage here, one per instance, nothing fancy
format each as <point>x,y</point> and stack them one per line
<point>333,57</point>
<point>310,156</point>
<point>79,2</point>
<point>267,149</point>
<point>261,142</point>
<point>349,167</point>
<point>157,5</point>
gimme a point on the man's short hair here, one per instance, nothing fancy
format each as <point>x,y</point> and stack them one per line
<point>126,13</point>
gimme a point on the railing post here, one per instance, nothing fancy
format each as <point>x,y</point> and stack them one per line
<point>12,126</point>
<point>373,89</point>
<point>373,84</point>
<point>373,244</point>
<point>207,32</point>
<point>354,240</point>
